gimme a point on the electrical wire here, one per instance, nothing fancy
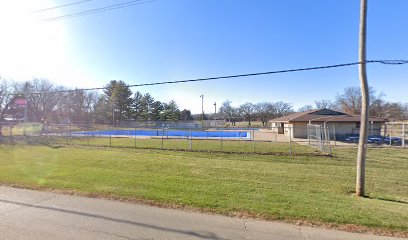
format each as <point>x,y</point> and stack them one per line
<point>60,6</point>
<point>97,10</point>
<point>387,62</point>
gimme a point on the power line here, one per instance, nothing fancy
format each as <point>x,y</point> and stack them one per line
<point>98,10</point>
<point>391,62</point>
<point>60,6</point>
<point>387,62</point>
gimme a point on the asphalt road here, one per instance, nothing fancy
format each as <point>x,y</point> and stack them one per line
<point>27,214</point>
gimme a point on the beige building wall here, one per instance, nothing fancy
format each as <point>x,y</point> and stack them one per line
<point>347,129</point>
<point>300,130</point>
<point>340,129</point>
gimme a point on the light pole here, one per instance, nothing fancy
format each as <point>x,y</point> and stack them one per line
<point>202,109</point>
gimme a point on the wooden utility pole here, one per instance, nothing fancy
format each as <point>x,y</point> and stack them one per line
<point>362,143</point>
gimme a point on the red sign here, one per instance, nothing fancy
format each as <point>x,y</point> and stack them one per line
<point>20,101</point>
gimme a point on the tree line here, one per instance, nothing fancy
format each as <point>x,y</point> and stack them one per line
<point>52,103</point>
<point>350,102</point>
<point>117,103</point>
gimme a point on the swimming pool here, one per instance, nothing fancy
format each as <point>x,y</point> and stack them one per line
<point>166,133</point>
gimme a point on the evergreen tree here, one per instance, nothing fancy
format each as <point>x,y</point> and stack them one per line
<point>145,107</point>
<point>119,95</point>
<point>185,115</point>
<point>137,105</point>
<point>156,110</point>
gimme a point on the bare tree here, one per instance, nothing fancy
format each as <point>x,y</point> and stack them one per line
<point>406,111</point>
<point>102,110</point>
<point>305,108</point>
<point>283,109</point>
<point>5,100</point>
<point>265,112</point>
<point>388,110</point>
<point>42,97</point>
<point>90,101</point>
<point>324,104</point>
<point>248,111</point>
<point>350,100</point>
<point>5,97</point>
<point>227,111</point>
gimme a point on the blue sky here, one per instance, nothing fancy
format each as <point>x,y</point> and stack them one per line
<point>170,40</point>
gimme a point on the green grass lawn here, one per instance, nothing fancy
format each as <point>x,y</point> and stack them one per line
<point>21,129</point>
<point>309,188</point>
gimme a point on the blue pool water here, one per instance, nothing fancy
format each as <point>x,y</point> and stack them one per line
<point>170,133</point>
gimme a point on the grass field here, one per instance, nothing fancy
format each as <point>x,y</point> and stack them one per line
<point>307,188</point>
<point>21,129</point>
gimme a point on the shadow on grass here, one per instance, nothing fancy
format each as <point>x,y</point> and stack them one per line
<point>378,198</point>
<point>385,199</point>
<point>283,154</point>
<point>47,144</point>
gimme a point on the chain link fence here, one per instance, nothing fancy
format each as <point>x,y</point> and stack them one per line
<point>211,139</point>
<point>395,134</point>
<point>390,134</point>
<point>318,136</point>
<point>193,137</point>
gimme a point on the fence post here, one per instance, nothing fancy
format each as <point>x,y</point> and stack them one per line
<point>162,139</point>
<point>191,139</point>
<point>385,129</point>
<point>253,139</point>
<point>290,141</point>
<point>24,128</point>
<point>135,135</point>
<point>99,136</point>
<point>328,137</point>
<point>276,136</point>
<point>70,136</point>
<point>87,137</point>
<point>390,136</point>
<point>11,133</point>
<point>324,138</point>
<point>403,135</point>
<point>334,134</point>
<point>222,131</point>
